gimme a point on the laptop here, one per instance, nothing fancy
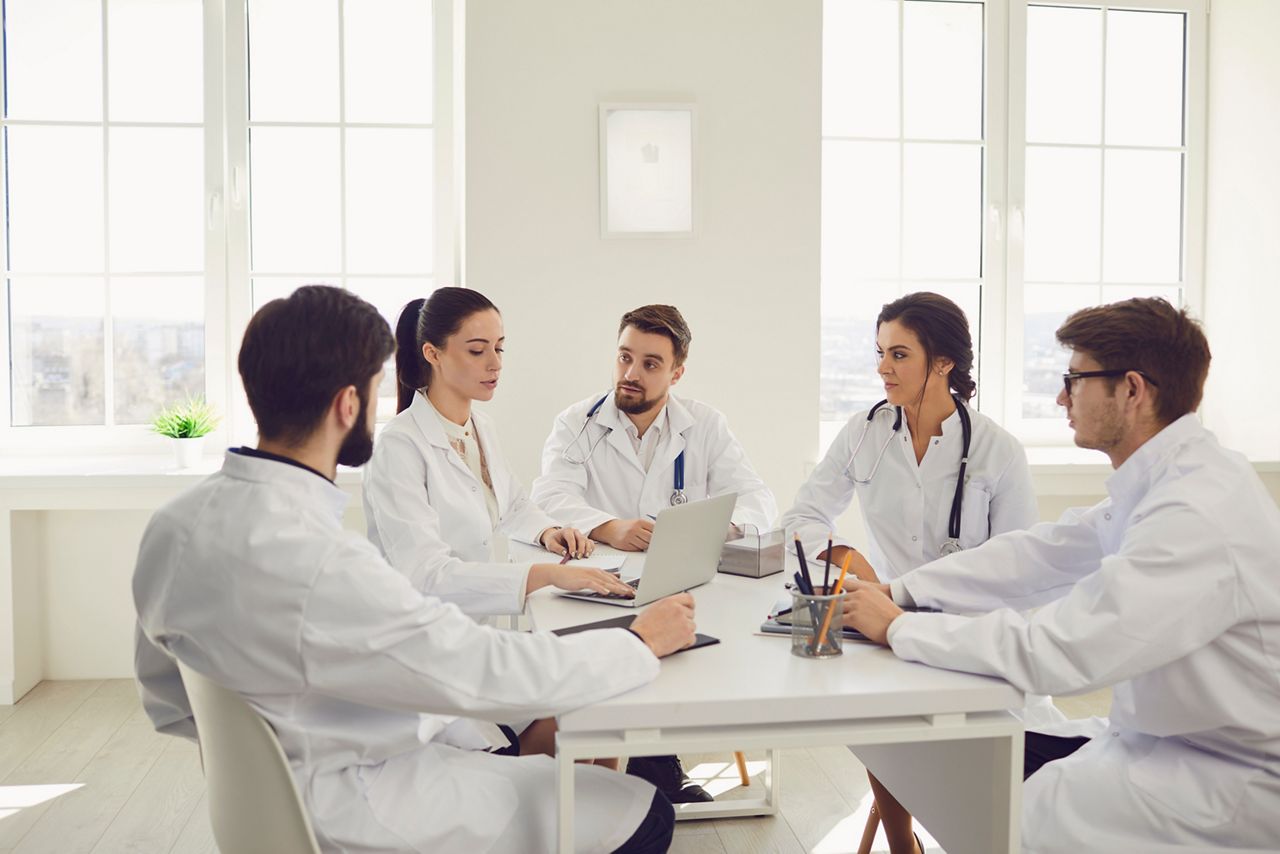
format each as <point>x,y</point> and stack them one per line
<point>683,552</point>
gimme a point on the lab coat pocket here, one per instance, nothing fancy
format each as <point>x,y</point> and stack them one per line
<point>975,515</point>
<point>1188,785</point>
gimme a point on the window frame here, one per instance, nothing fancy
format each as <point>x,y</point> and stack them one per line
<point>227,288</point>
<point>998,349</point>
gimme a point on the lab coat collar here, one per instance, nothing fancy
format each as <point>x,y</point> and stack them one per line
<point>679,419</point>
<point>951,424</point>
<point>1133,475</point>
<point>424,415</point>
<point>255,469</point>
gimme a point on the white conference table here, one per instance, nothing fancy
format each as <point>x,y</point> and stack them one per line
<point>943,742</point>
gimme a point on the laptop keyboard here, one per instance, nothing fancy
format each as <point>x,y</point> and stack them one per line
<point>633,584</point>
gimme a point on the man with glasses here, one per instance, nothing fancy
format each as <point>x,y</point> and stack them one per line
<point>1167,591</point>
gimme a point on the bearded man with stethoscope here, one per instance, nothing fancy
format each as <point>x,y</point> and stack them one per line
<point>614,460</point>
<point>932,476</point>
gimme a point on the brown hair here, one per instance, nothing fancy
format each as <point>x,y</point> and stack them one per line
<point>1147,335</point>
<point>299,352</point>
<point>661,320</point>
<point>943,331</point>
<point>430,320</point>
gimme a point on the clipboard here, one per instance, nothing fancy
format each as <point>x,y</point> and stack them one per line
<point>624,622</point>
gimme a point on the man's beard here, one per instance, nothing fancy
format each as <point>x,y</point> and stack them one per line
<point>634,406</point>
<point>357,448</point>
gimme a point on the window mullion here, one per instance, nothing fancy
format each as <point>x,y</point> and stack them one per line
<point>991,348</point>
<point>108,328</point>
<point>239,301</point>
<point>1014,256</point>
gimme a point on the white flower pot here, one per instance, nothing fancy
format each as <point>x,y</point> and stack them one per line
<point>189,451</point>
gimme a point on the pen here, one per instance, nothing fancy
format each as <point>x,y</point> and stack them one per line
<point>567,557</point>
<point>831,609</point>
<point>804,565</point>
<point>826,573</point>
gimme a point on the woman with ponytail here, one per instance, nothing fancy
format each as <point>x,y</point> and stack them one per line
<point>906,477</point>
<point>438,491</point>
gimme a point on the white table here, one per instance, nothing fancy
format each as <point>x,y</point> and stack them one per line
<point>943,742</point>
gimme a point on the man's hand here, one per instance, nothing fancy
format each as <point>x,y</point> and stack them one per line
<point>629,535</point>
<point>667,625</point>
<point>858,566</point>
<point>569,541</point>
<point>870,610</point>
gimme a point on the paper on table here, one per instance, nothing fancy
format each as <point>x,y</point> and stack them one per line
<point>609,562</point>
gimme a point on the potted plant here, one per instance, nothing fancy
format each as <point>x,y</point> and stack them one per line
<point>187,424</point>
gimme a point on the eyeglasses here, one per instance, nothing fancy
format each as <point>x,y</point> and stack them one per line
<point>1071,376</point>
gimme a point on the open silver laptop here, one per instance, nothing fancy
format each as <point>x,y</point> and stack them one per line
<point>683,552</point>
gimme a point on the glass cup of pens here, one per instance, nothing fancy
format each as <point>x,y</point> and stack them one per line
<point>816,624</point>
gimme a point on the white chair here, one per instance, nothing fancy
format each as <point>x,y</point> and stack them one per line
<point>253,803</point>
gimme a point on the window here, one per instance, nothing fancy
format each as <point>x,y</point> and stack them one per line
<point>170,165</point>
<point>1023,176</point>
<point>103,178</point>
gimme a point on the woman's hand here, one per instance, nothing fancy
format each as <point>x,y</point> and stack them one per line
<point>858,565</point>
<point>568,541</point>
<point>574,578</point>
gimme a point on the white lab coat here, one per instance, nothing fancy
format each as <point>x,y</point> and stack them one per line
<point>426,513</point>
<point>250,579</point>
<point>614,485</point>
<point>907,505</point>
<point>1167,590</point>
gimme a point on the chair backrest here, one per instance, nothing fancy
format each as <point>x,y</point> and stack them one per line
<point>253,803</point>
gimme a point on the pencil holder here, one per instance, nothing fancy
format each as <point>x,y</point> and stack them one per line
<point>816,623</point>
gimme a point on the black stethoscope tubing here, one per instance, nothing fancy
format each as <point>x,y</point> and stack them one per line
<point>966,426</point>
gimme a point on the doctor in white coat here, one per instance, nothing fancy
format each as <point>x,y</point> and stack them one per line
<point>615,459</point>
<point>250,579</point>
<point>932,476</point>
<point>438,491</point>
<point>1166,590</point>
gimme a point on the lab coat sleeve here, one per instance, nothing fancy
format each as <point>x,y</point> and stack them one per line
<point>164,698</point>
<point>822,498</point>
<point>561,489</point>
<point>1013,501</point>
<point>369,637</point>
<point>1020,569</point>
<point>1170,590</point>
<point>395,496</point>
<point>731,471</point>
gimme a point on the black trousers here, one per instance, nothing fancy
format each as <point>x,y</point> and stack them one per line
<point>1040,749</point>
<point>653,836</point>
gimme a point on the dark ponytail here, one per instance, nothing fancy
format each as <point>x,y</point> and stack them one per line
<point>943,331</point>
<point>429,321</point>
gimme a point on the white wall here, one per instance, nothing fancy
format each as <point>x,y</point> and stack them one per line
<point>747,282</point>
<point>1242,270</point>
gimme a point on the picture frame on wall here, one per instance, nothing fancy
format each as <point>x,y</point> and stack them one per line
<point>647,169</point>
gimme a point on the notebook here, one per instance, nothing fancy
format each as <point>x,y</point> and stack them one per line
<point>625,622</point>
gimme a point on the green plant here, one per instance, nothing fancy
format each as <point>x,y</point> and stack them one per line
<point>189,420</point>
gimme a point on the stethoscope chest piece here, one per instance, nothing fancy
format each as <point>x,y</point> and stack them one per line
<point>950,547</point>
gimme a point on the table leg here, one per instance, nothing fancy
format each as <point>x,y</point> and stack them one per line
<point>564,785</point>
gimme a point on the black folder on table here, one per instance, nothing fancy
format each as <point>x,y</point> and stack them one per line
<point>624,622</point>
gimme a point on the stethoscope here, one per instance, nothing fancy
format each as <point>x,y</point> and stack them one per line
<point>952,544</point>
<point>678,495</point>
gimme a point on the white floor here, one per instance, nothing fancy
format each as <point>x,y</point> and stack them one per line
<point>81,770</point>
